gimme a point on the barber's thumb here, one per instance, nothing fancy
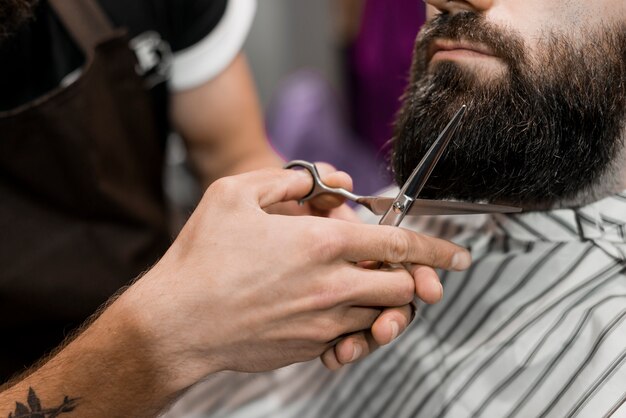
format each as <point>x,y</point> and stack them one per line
<point>332,178</point>
<point>331,201</point>
<point>271,186</point>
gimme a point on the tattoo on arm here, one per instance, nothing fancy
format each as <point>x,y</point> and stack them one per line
<point>34,409</point>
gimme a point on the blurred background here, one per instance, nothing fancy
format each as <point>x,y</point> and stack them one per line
<point>330,74</point>
<point>288,35</point>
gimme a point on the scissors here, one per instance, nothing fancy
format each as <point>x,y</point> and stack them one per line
<point>406,202</point>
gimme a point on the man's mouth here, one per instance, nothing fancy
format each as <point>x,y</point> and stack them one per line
<point>446,49</point>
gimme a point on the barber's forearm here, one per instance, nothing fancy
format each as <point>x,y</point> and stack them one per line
<point>210,166</point>
<point>107,371</point>
<point>222,125</point>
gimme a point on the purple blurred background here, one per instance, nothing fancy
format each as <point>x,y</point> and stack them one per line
<point>349,126</point>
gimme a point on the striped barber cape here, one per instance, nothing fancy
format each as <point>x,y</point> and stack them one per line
<point>536,328</point>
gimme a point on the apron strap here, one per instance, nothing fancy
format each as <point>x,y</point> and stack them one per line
<point>86,22</point>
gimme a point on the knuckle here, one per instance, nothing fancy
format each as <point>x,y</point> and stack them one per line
<point>326,243</point>
<point>221,193</point>
<point>398,247</point>
<point>329,333</point>
<point>225,186</point>
<point>324,329</point>
<point>329,294</point>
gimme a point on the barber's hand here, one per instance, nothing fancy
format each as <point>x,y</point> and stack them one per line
<point>391,322</point>
<point>244,290</point>
<point>326,205</point>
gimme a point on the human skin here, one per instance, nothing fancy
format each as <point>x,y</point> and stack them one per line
<point>240,289</point>
<point>533,21</point>
<point>222,125</point>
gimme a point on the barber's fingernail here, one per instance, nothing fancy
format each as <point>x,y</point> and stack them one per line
<point>395,330</point>
<point>356,352</point>
<point>461,261</point>
<point>440,291</point>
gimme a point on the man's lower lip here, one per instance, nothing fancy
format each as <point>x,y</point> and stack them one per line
<point>459,54</point>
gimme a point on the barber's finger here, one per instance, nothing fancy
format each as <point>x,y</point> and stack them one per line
<point>270,186</point>
<point>427,285</point>
<point>391,323</point>
<point>398,245</point>
<point>263,187</point>
<point>353,319</point>
<point>332,178</point>
<point>385,287</point>
<point>355,347</point>
<point>329,359</point>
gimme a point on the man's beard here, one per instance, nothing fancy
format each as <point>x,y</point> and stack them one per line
<point>13,14</point>
<point>546,133</point>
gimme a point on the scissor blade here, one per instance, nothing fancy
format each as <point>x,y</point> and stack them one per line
<point>424,169</point>
<point>441,207</point>
<point>418,178</point>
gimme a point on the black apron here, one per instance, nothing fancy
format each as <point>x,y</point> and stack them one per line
<point>81,203</point>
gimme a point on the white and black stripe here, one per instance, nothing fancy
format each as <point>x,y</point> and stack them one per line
<point>536,328</point>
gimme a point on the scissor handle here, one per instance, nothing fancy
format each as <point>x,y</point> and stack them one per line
<point>319,187</point>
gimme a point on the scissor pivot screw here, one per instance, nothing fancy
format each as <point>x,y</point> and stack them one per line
<point>398,207</point>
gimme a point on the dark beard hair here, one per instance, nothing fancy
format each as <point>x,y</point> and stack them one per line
<point>544,134</point>
<point>13,14</point>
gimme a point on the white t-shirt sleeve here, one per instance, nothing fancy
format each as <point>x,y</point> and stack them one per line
<point>201,62</point>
